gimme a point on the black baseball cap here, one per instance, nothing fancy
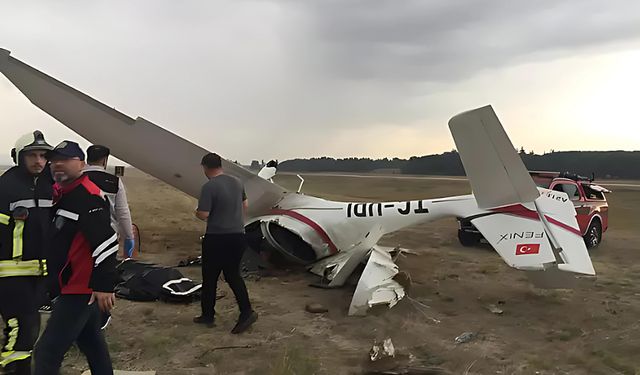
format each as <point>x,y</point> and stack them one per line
<point>66,150</point>
<point>97,152</point>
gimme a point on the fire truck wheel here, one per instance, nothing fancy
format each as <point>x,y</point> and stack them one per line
<point>593,237</point>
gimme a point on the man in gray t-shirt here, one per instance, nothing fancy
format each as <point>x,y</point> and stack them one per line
<point>222,204</point>
<point>223,197</point>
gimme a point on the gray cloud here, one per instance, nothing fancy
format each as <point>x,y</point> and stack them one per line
<point>288,77</point>
<point>451,40</point>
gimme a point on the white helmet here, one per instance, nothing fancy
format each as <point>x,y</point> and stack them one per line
<point>30,141</point>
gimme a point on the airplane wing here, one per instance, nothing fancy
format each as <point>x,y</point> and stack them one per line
<point>139,142</point>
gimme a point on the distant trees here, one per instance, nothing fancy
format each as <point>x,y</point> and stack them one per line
<point>325,164</point>
<point>605,164</point>
<point>447,163</point>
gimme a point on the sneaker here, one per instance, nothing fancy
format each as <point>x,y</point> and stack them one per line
<point>244,323</point>
<point>209,322</point>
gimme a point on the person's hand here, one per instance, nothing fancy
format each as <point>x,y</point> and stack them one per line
<point>129,246</point>
<point>106,301</point>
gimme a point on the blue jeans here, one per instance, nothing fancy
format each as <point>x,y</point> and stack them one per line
<point>72,320</point>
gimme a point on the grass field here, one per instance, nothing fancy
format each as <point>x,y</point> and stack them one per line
<point>593,330</point>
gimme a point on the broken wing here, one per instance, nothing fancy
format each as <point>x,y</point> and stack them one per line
<point>139,142</point>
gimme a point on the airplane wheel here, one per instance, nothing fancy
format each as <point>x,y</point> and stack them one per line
<point>468,238</point>
<point>593,237</point>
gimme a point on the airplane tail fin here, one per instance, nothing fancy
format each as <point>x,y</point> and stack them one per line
<point>531,229</point>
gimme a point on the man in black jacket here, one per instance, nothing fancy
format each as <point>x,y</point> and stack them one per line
<point>25,213</point>
<point>81,259</point>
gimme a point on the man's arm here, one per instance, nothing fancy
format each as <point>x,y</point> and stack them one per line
<point>123,214</point>
<point>204,202</point>
<point>202,215</point>
<point>95,225</point>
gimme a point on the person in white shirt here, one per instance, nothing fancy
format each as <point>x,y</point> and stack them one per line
<point>112,186</point>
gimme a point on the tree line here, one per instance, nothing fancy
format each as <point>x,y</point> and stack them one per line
<point>604,164</point>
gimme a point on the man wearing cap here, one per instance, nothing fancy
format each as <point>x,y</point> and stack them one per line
<point>81,258</point>
<point>112,186</point>
<point>25,213</point>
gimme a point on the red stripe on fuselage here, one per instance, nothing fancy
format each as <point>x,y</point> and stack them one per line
<point>312,224</point>
<point>563,225</point>
<point>518,210</point>
<point>522,211</point>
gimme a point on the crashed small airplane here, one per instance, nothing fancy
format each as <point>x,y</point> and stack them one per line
<point>332,238</point>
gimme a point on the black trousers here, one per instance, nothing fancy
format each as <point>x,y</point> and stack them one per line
<point>222,253</point>
<point>19,301</point>
<point>72,320</point>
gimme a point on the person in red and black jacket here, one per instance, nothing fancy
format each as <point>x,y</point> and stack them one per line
<point>81,259</point>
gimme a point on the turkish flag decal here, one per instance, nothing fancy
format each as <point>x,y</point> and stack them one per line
<point>524,249</point>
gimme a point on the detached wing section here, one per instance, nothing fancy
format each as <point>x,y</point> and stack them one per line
<point>139,142</point>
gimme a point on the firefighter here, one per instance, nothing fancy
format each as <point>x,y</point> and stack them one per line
<point>25,212</point>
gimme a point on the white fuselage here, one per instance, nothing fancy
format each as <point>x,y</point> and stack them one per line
<point>331,227</point>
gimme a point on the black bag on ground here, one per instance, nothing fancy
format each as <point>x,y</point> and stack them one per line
<point>141,281</point>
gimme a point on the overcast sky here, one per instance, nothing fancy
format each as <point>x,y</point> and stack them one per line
<point>376,78</point>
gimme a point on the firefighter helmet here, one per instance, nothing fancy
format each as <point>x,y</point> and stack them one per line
<point>30,141</point>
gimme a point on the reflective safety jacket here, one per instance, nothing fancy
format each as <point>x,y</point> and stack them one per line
<point>25,214</point>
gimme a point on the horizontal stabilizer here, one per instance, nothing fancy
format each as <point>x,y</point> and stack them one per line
<point>521,242</point>
<point>558,216</point>
<point>544,238</point>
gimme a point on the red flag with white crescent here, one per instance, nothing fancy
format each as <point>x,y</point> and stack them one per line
<point>524,249</point>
